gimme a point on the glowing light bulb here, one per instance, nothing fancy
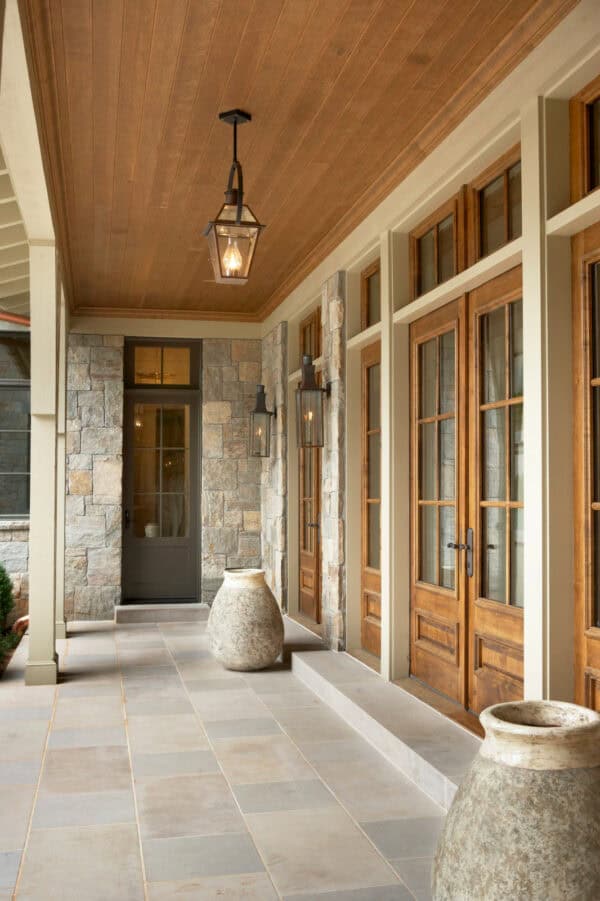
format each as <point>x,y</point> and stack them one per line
<point>232,258</point>
<point>309,416</point>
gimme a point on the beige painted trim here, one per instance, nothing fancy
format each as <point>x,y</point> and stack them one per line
<point>576,217</point>
<point>163,328</point>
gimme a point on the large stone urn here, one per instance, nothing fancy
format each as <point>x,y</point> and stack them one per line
<point>525,822</point>
<point>245,626</point>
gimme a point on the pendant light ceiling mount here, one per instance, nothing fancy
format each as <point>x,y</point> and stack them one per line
<point>233,235</point>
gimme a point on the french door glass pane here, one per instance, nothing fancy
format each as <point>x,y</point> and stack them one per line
<point>374,388</point>
<point>516,452</point>
<point>427,461</point>
<point>174,511</point>
<point>147,471</point>
<point>428,544</point>
<point>494,554</point>
<point>14,408</point>
<point>492,338</point>
<point>14,495</point>
<point>175,427</point>
<point>595,286</point>
<point>446,249</point>
<point>146,512</point>
<point>447,402</point>
<point>447,460</point>
<point>374,298</point>
<point>146,425</point>
<point>594,133</point>
<point>374,538</point>
<point>427,378</point>
<point>426,254</point>
<point>174,471</point>
<point>308,532</point>
<point>514,202</point>
<point>447,555</point>
<point>596,525</point>
<point>491,215</point>
<point>494,454</point>
<point>516,557</point>
<point>374,465</point>
<point>516,348</point>
<point>596,443</point>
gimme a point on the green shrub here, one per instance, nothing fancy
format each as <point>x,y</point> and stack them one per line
<point>6,597</point>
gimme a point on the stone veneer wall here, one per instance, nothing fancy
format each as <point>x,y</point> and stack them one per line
<point>333,588</point>
<point>274,467</point>
<point>14,556</point>
<point>231,520</point>
<point>93,504</point>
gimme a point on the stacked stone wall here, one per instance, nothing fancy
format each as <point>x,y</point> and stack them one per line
<point>274,467</point>
<point>14,556</point>
<point>93,503</point>
<point>231,518</point>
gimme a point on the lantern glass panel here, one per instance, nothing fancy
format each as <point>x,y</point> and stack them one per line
<point>260,434</point>
<point>309,417</point>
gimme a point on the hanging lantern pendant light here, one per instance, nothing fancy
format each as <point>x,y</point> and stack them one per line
<point>233,235</point>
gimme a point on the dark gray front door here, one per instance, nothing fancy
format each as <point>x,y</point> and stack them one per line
<point>160,541</point>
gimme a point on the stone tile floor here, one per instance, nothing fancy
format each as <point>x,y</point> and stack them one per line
<point>151,773</point>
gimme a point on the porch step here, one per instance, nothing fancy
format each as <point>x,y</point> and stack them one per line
<point>161,613</point>
<point>431,750</point>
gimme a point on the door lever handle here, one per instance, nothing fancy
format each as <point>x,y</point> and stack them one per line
<point>457,547</point>
<point>468,547</point>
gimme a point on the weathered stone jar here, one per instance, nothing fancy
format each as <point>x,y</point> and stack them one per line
<point>525,822</point>
<point>245,626</point>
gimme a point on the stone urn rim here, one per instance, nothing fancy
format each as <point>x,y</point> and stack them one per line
<point>248,573</point>
<point>544,735</point>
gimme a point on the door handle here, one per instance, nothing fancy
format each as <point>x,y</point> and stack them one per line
<point>313,525</point>
<point>468,547</point>
<point>126,517</point>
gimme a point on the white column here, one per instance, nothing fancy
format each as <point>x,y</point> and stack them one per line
<point>548,465</point>
<point>42,665</point>
<point>61,461</point>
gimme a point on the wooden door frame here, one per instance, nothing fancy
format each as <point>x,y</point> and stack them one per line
<point>316,486</point>
<point>370,579</point>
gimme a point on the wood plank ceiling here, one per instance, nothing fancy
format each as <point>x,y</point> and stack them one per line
<point>347,96</point>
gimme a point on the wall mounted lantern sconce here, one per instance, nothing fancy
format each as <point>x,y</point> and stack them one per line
<point>233,235</point>
<point>260,425</point>
<point>309,407</point>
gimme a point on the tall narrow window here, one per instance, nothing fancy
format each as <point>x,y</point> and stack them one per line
<point>436,247</point>
<point>370,307</point>
<point>14,424</point>
<point>495,200</point>
<point>585,141</point>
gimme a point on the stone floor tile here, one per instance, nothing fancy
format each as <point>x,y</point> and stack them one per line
<point>416,874</point>
<point>248,887</point>
<point>15,811</point>
<point>353,749</point>
<point>157,766</point>
<point>22,739</point>
<point>378,893</point>
<point>240,728</point>
<point>170,687</point>
<point>81,713</point>
<point>231,682</point>
<point>314,724</point>
<point>168,859</point>
<point>317,850</point>
<point>17,695</point>
<point>213,705</point>
<point>405,838</point>
<point>76,770</point>
<point>147,704</point>
<point>181,732</point>
<point>132,658</point>
<point>133,642</point>
<point>14,714</point>
<point>88,737</point>
<point>95,863</point>
<point>285,700</point>
<point>265,682</point>
<point>301,794</point>
<point>9,867</point>
<point>265,758</point>
<point>90,688</point>
<point>187,805</point>
<point>90,808</point>
<point>20,772</point>
<point>136,674</point>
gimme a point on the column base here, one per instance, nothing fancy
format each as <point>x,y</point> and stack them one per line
<point>44,672</point>
<point>61,629</point>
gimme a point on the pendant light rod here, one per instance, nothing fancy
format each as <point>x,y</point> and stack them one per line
<point>235,117</point>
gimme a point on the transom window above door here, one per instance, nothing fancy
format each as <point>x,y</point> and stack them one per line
<point>585,141</point>
<point>172,365</point>
<point>437,247</point>
<point>495,206</point>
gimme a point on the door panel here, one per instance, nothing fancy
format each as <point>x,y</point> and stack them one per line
<point>586,445</point>
<point>467,592</point>
<point>438,480</point>
<point>310,518</point>
<point>371,499</point>
<point>159,534</point>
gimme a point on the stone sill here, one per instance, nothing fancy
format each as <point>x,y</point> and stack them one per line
<point>14,525</point>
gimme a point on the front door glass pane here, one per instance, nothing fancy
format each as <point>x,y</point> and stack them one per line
<point>494,553</point>
<point>446,249</point>
<point>427,544</point>
<point>516,557</point>
<point>447,373</point>
<point>491,213</point>
<point>374,400</point>
<point>374,465</point>
<point>426,262</point>
<point>516,348</point>
<point>594,143</point>
<point>427,378</point>
<point>514,201</point>
<point>447,460</point>
<point>596,564</point>
<point>595,291</point>
<point>494,454</point>
<point>492,338</point>
<point>516,452</point>
<point>161,470</point>
<point>427,461</point>
<point>374,298</point>
<point>447,555</point>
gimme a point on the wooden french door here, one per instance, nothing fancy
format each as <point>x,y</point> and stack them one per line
<point>310,517</point>
<point>467,496</point>
<point>586,446</point>
<point>371,499</point>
